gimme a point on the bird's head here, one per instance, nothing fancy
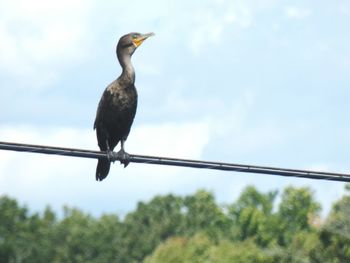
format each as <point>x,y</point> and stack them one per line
<point>130,42</point>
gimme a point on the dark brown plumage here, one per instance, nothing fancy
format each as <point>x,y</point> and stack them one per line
<point>117,107</point>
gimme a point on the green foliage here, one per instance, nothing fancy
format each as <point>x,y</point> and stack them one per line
<point>24,238</point>
<point>239,252</point>
<point>201,249</point>
<point>151,224</point>
<point>13,224</point>
<point>193,228</point>
<point>203,214</point>
<point>335,233</point>
<point>171,251</point>
<point>72,235</point>
<point>296,210</point>
<point>252,216</point>
<point>303,248</point>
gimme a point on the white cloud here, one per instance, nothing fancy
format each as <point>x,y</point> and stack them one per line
<point>57,180</point>
<point>238,131</point>
<point>38,180</point>
<point>37,37</point>
<point>40,38</point>
<point>187,22</point>
<point>209,24</point>
<point>344,8</point>
<point>171,139</point>
<point>294,12</point>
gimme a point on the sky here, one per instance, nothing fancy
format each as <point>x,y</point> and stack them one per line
<point>259,82</point>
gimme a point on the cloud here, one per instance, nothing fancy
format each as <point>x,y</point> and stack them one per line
<point>38,37</point>
<point>210,24</point>
<point>186,23</point>
<point>39,180</point>
<point>41,39</point>
<point>294,12</point>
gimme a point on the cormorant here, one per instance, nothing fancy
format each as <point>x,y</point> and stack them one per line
<point>117,107</point>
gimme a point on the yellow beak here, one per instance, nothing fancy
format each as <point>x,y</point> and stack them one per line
<point>138,41</point>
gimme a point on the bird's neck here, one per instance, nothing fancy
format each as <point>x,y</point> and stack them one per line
<point>128,74</point>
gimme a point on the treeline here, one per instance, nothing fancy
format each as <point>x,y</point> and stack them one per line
<point>193,228</point>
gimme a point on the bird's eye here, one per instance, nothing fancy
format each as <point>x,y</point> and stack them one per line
<point>134,36</point>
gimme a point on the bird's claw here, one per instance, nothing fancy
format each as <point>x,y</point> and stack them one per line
<point>111,156</point>
<point>123,157</point>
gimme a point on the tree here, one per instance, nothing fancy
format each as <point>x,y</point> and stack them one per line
<point>296,211</point>
<point>303,248</point>
<point>186,229</point>
<point>201,249</point>
<point>252,216</point>
<point>105,235</point>
<point>204,215</point>
<point>151,224</point>
<point>240,252</point>
<point>335,233</point>
<point>73,237</point>
<point>39,236</point>
<point>182,250</point>
<point>170,251</point>
<point>13,231</point>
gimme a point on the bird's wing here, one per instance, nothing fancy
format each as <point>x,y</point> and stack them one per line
<point>104,102</point>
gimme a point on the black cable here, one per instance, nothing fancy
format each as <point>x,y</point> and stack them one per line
<point>178,162</point>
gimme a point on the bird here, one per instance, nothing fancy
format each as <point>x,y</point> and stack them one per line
<point>117,107</point>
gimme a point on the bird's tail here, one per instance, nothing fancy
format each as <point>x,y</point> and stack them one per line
<point>102,169</point>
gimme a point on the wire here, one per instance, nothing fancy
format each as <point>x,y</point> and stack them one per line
<point>342,177</point>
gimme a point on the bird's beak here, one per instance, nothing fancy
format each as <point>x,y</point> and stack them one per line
<point>138,41</point>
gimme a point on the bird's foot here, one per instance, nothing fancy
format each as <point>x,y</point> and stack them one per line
<point>111,156</point>
<point>123,157</point>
